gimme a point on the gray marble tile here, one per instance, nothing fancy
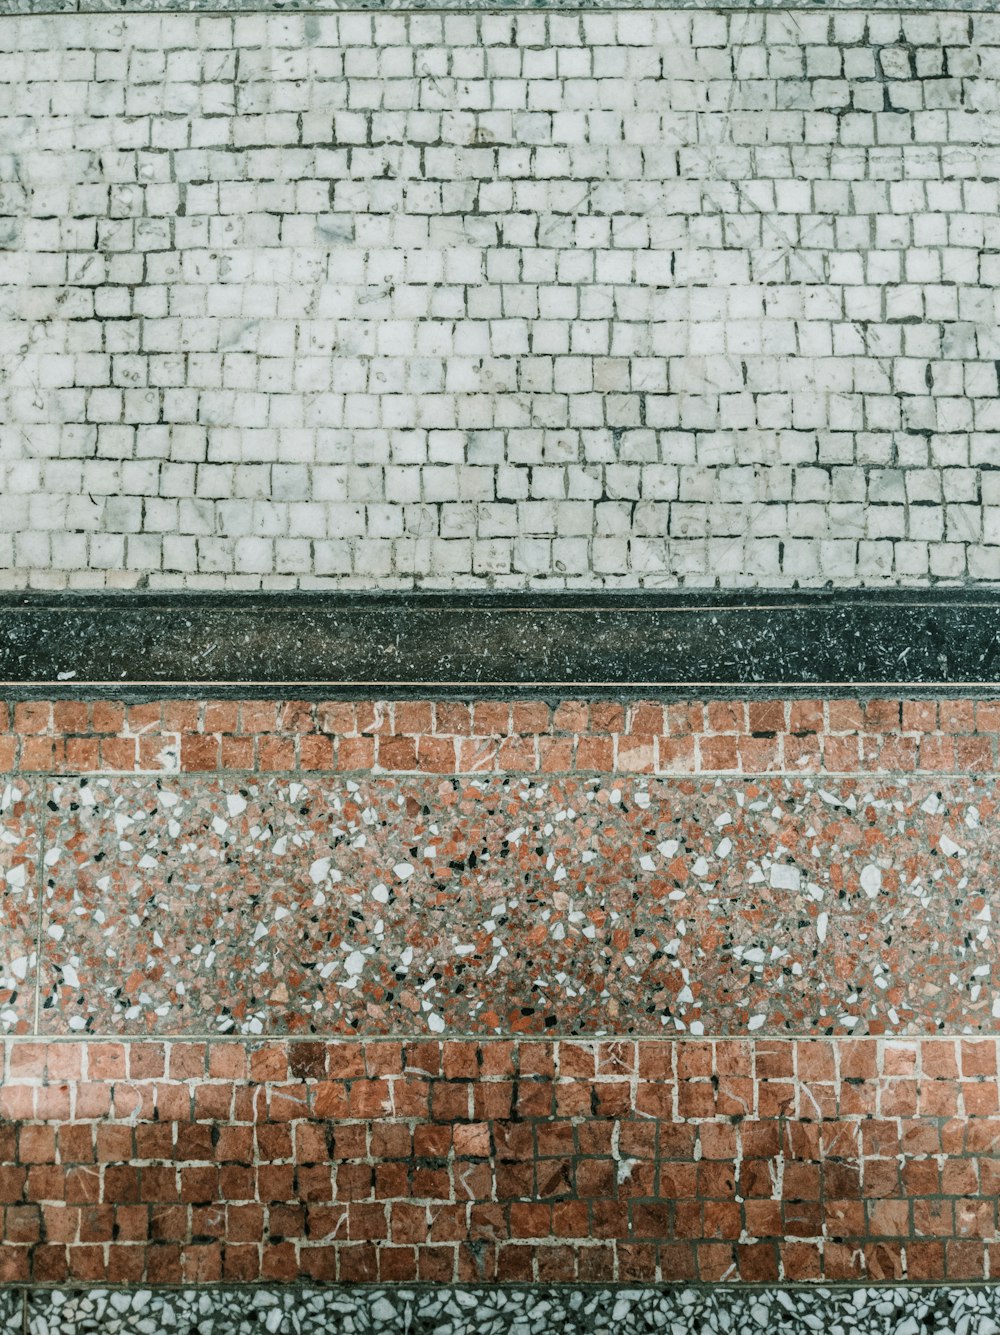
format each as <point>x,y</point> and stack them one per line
<point>693,437</point>
<point>724,1310</point>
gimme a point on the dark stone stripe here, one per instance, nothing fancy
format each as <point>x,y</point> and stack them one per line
<point>345,645</point>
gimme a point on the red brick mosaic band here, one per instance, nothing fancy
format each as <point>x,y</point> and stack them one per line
<point>448,737</point>
<point>526,1160</point>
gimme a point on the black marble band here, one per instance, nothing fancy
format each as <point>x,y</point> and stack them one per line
<point>840,642</point>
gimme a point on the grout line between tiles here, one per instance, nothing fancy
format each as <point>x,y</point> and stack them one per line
<point>426,1285</point>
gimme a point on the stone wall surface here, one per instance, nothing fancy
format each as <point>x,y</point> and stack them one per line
<point>500,299</point>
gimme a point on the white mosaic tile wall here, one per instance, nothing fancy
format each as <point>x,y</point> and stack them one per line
<point>602,299</point>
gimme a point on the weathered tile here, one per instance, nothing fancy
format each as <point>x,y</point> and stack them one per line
<point>401,905</point>
<point>19,854</point>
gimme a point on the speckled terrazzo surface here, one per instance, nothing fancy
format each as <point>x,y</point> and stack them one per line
<point>517,1311</point>
<point>580,905</point>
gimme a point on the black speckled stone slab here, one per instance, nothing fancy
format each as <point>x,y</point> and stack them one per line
<point>842,642</point>
<point>518,1310</point>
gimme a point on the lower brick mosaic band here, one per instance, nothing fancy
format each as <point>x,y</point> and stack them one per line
<point>510,1161</point>
<point>500,1310</point>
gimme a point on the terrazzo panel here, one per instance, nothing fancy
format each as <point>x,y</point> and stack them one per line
<point>388,905</point>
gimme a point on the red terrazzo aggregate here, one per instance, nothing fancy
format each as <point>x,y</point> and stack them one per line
<point>488,906</point>
<point>19,853</point>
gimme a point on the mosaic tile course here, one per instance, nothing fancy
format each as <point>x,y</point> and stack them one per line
<point>513,1311</point>
<point>497,736</point>
<point>491,906</point>
<point>464,6</point>
<point>509,1161</point>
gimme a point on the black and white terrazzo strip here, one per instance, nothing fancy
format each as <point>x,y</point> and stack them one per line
<point>725,1310</point>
